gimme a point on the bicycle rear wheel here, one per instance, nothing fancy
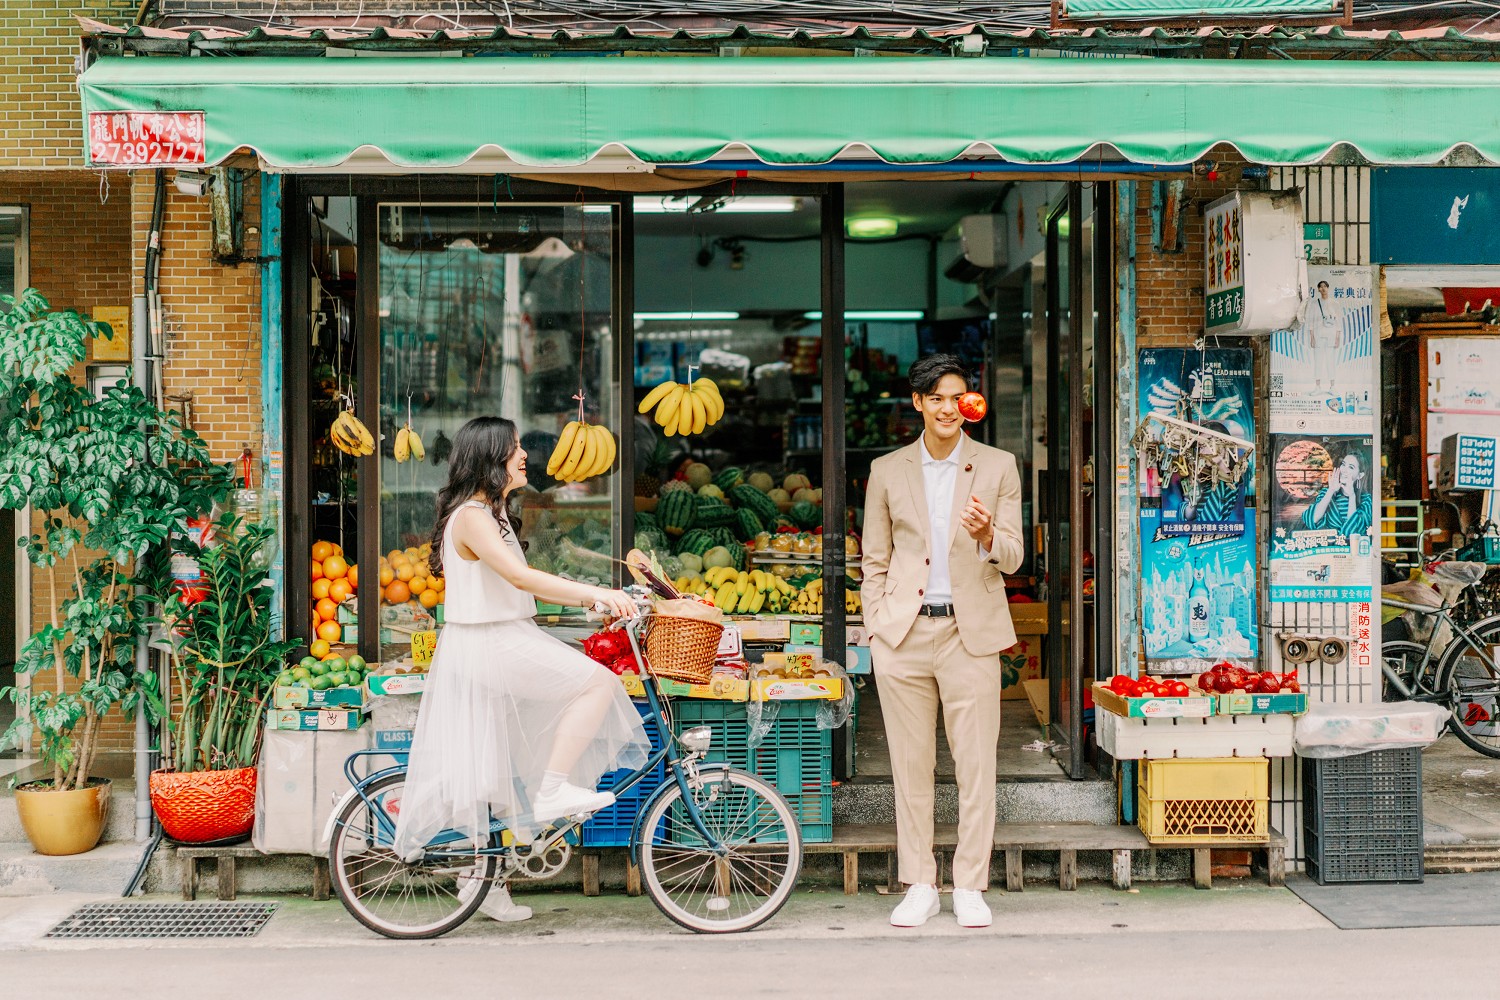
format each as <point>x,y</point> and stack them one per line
<point>1472,680</point>
<point>424,899</point>
<point>1404,659</point>
<point>702,889</point>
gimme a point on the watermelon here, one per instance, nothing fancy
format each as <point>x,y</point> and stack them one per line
<point>713,513</point>
<point>723,536</point>
<point>737,555</point>
<point>645,521</point>
<point>806,515</point>
<point>697,541</point>
<point>676,511</point>
<point>749,524</point>
<point>755,500</point>
<point>729,478</point>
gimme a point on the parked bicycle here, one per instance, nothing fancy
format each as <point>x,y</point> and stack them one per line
<point>1463,675</point>
<point>719,849</point>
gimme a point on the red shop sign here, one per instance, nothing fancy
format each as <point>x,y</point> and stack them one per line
<point>146,138</point>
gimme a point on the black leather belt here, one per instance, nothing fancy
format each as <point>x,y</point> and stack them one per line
<point>937,610</point>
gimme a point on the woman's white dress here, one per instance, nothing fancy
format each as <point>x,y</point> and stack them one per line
<point>497,687</point>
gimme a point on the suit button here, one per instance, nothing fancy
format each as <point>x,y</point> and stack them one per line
<point>927,561</point>
<point>919,593</point>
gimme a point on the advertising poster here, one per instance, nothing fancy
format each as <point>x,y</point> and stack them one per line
<point>1197,595</point>
<point>1322,517</point>
<point>1323,372</point>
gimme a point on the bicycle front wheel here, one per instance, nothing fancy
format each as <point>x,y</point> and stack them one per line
<point>1472,680</point>
<point>1404,659</point>
<point>710,891</point>
<point>422,899</point>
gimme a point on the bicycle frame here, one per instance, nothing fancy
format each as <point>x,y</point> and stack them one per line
<point>1461,633</point>
<point>685,772</point>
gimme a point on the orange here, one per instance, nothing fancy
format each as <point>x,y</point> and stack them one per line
<point>439,584</point>
<point>339,591</point>
<point>327,609</point>
<point>393,555</point>
<point>338,549</point>
<point>418,585</point>
<point>321,551</point>
<point>429,598</point>
<point>335,568</point>
<point>319,648</point>
<point>353,577</point>
<point>397,593</point>
<point>405,572</point>
<point>332,655</point>
<point>386,576</point>
<point>411,553</point>
<point>329,631</point>
<point>320,589</point>
<point>317,570</point>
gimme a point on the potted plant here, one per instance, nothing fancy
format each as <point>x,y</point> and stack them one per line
<point>105,479</point>
<point>225,661</point>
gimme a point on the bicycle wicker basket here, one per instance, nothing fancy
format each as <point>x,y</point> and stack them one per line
<point>682,649</point>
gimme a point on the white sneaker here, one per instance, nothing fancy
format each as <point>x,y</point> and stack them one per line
<point>919,906</point>
<point>570,800</point>
<point>970,909</point>
<point>499,906</point>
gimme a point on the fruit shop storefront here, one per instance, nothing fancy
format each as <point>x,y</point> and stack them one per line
<point>727,281</point>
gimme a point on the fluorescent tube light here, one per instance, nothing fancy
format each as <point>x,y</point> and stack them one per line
<point>658,205</point>
<point>684,316</point>
<point>873,314</point>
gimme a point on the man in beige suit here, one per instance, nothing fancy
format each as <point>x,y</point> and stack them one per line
<point>942,527</point>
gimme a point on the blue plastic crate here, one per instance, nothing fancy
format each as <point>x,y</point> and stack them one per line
<point>611,827</point>
<point>795,756</point>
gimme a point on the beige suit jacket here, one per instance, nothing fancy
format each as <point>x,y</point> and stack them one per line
<point>897,531</point>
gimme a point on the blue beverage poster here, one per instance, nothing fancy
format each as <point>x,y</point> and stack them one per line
<point>1198,595</point>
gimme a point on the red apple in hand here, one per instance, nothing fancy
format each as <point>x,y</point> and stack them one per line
<point>972,406</point>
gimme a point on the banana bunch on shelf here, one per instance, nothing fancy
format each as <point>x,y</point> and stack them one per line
<point>583,451</point>
<point>350,436</point>
<point>809,600</point>
<point>740,592</point>
<point>409,444</point>
<point>684,409</point>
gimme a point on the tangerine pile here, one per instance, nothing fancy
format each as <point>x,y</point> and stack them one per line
<point>405,576</point>
<point>334,581</point>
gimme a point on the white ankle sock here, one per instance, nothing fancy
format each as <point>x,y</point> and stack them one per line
<point>551,782</point>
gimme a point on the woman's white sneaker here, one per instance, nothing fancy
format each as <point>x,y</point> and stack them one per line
<point>499,906</point>
<point>970,909</point>
<point>919,906</point>
<point>569,800</point>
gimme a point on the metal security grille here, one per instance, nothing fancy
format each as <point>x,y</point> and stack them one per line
<point>165,920</point>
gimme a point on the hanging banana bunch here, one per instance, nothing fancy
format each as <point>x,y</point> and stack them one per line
<point>583,451</point>
<point>408,441</point>
<point>684,409</point>
<point>350,436</point>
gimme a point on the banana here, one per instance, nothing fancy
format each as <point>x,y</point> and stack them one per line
<point>700,412</point>
<point>603,456</point>
<point>568,472</point>
<point>564,447</point>
<point>351,436</point>
<point>746,599</point>
<point>725,598</point>
<point>614,450</point>
<point>758,603</point>
<point>590,454</point>
<point>671,406</point>
<point>713,403</point>
<point>655,396</point>
<point>402,449</point>
<point>414,442</point>
<point>671,427</point>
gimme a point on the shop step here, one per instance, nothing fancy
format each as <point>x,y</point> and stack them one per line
<point>1048,801</point>
<point>104,871</point>
<point>1453,859</point>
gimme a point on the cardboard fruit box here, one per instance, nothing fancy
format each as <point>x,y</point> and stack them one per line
<point>1196,705</point>
<point>300,696</point>
<point>1240,703</point>
<point>388,681</point>
<point>312,720</point>
<point>796,689</point>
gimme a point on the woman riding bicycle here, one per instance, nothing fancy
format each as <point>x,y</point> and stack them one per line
<point>515,724</point>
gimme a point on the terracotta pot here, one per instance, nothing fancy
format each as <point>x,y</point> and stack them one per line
<point>198,807</point>
<point>60,823</point>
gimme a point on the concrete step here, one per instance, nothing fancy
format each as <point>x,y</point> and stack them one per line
<point>104,871</point>
<point>1051,801</point>
<point>118,826</point>
<point>1452,859</point>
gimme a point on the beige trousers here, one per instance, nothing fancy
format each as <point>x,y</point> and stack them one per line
<point>931,667</point>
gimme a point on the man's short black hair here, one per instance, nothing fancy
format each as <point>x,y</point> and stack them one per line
<point>927,372</point>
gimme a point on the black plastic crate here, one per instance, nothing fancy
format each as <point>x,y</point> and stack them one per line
<point>1362,817</point>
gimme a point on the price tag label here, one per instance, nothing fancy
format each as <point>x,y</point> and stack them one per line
<point>146,138</point>
<point>422,645</point>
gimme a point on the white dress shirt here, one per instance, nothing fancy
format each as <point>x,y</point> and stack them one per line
<point>938,479</point>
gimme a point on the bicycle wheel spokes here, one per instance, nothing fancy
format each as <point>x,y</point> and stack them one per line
<point>398,899</point>
<point>741,883</point>
<point>1472,679</point>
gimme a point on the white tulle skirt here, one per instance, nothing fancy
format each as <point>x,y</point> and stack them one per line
<point>485,731</point>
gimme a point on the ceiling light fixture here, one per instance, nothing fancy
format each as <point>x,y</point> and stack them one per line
<point>872,227</point>
<point>893,315</point>
<point>670,317</point>
<point>768,204</point>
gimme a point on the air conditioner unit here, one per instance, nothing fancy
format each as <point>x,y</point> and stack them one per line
<point>983,239</point>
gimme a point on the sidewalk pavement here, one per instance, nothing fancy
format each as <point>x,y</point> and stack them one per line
<point>1460,794</point>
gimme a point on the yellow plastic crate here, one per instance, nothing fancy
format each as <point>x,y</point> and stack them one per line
<point>1223,800</point>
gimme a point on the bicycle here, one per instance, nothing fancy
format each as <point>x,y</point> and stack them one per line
<point>719,849</point>
<point>1464,676</point>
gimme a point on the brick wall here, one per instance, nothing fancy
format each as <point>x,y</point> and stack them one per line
<point>1169,286</point>
<point>40,125</point>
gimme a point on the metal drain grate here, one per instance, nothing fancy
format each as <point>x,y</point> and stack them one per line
<point>165,920</point>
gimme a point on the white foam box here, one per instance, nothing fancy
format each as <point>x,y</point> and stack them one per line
<point>300,780</point>
<point>1126,738</point>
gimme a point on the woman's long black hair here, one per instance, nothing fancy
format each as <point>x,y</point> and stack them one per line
<point>482,449</point>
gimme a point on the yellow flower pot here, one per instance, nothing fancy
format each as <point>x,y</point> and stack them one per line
<point>59,823</point>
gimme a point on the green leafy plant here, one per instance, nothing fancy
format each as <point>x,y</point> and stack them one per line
<point>224,657</point>
<point>106,480</point>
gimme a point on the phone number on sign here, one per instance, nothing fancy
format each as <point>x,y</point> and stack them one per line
<point>146,152</point>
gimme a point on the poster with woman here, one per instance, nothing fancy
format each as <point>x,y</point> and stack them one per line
<point>1323,371</point>
<point>1322,517</point>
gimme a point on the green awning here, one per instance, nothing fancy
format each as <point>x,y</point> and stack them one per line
<point>561,112</point>
<point>1121,10</point>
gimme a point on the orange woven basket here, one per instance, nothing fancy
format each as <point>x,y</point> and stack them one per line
<point>682,649</point>
<point>199,807</point>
